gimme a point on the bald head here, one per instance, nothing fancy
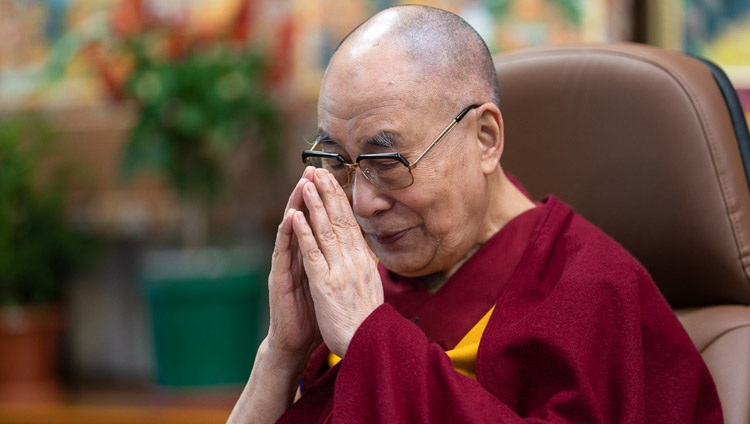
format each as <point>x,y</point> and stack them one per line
<point>446,54</point>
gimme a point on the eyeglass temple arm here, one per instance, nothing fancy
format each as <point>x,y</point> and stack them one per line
<point>447,129</point>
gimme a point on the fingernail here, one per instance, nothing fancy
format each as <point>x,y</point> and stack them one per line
<point>310,188</point>
<point>321,174</point>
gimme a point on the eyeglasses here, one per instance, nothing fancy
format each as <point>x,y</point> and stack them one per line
<point>385,170</point>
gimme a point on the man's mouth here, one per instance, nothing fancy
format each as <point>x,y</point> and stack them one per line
<point>388,237</point>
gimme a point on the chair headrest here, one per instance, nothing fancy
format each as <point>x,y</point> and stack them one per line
<point>640,141</point>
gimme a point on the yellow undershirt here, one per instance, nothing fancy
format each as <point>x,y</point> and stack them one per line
<point>463,356</point>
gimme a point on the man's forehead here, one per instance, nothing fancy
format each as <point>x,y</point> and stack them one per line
<point>345,104</point>
<point>362,66</point>
<point>380,124</point>
<point>374,103</point>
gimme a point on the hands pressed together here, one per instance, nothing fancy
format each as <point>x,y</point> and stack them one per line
<point>324,280</point>
<point>323,283</point>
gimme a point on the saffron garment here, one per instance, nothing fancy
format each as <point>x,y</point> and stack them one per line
<point>579,333</point>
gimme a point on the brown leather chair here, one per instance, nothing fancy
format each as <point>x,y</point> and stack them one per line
<point>646,144</point>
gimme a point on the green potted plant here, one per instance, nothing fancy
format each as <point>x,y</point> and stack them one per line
<point>39,247</point>
<point>198,97</point>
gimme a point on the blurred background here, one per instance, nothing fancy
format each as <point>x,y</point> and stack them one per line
<point>147,148</point>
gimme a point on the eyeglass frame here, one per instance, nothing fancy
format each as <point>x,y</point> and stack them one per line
<point>352,167</point>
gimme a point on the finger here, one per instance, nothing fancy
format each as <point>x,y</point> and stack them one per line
<point>282,252</point>
<point>322,230</point>
<point>340,218</point>
<point>313,260</point>
<point>295,199</point>
<point>336,203</point>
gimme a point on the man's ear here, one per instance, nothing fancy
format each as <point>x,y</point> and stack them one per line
<point>490,137</point>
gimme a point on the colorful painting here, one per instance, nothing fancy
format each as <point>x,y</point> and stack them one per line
<point>45,60</point>
<point>504,24</point>
<point>51,50</point>
<point>719,30</point>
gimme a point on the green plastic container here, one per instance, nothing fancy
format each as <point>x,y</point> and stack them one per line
<point>206,319</point>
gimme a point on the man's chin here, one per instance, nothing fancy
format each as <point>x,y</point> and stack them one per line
<point>400,263</point>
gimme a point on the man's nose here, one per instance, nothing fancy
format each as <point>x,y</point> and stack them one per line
<point>366,198</point>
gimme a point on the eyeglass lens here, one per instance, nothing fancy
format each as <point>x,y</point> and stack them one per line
<point>383,172</point>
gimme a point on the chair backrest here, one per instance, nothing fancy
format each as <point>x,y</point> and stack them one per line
<point>645,144</point>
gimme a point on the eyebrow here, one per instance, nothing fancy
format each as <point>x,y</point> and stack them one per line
<point>324,137</point>
<point>384,139</point>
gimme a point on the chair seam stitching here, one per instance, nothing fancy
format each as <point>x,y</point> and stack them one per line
<point>723,333</point>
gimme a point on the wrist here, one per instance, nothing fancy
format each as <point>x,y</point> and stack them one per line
<point>281,360</point>
<point>271,387</point>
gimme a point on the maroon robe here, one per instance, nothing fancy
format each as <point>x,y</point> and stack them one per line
<point>579,334</point>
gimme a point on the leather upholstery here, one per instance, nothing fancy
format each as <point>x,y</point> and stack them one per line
<point>722,336</point>
<point>640,141</point>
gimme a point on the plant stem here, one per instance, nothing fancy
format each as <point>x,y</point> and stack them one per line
<point>194,224</point>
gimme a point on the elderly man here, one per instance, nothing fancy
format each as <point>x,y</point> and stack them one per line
<point>450,296</point>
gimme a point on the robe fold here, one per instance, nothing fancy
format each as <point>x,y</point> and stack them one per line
<point>579,334</point>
